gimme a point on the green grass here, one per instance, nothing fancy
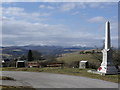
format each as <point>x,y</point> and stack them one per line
<point>68,71</point>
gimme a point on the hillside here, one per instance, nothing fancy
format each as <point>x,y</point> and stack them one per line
<point>12,52</point>
<point>70,58</point>
<point>17,51</point>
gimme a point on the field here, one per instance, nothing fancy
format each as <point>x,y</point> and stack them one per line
<point>69,58</point>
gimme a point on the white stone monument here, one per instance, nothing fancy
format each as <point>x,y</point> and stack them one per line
<point>20,63</point>
<point>107,66</point>
<point>83,64</point>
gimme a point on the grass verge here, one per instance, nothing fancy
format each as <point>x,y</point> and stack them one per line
<point>16,88</point>
<point>68,71</point>
<point>6,78</point>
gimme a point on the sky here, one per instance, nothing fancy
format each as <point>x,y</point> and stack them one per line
<point>58,23</point>
<point>60,0</point>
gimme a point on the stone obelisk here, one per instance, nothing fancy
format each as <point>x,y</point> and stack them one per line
<point>107,66</point>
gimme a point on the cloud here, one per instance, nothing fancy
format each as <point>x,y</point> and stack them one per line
<point>97,19</point>
<point>97,5</point>
<point>114,26</point>
<point>21,27</point>
<point>60,1</point>
<point>68,6</point>
<point>46,7</point>
<point>13,9</point>
<point>75,13</point>
<point>42,6</point>
<point>21,14</point>
<point>26,32</point>
<point>17,32</point>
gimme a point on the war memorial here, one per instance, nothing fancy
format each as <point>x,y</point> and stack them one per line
<point>107,67</point>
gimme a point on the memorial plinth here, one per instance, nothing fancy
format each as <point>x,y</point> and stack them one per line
<point>107,66</point>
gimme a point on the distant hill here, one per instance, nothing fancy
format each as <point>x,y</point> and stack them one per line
<point>78,48</point>
<point>11,52</point>
<point>46,50</point>
<point>17,51</point>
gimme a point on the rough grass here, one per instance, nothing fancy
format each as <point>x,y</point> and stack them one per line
<point>6,78</point>
<point>4,87</point>
<point>70,57</point>
<point>16,88</point>
<point>68,71</point>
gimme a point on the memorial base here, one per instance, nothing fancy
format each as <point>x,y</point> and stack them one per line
<point>108,70</point>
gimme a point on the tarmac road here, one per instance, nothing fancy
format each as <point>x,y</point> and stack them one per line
<point>50,80</point>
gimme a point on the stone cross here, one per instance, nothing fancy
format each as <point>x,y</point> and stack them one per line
<point>107,66</point>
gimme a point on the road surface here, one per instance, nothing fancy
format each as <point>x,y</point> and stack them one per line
<point>50,80</point>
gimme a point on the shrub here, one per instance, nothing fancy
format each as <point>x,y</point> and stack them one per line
<point>74,64</point>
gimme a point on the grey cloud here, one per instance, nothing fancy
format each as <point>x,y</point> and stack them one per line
<point>22,32</point>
